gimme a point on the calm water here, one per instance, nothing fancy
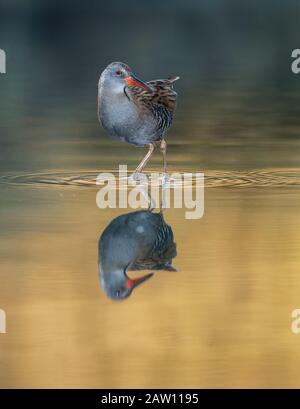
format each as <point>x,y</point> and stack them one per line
<point>222,320</point>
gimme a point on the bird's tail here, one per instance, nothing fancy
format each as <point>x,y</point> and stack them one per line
<point>173,79</point>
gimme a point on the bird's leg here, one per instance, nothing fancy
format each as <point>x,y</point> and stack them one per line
<point>163,149</point>
<point>146,192</point>
<point>143,163</point>
<point>163,197</point>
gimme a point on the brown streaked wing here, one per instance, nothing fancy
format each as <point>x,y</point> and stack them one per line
<point>162,94</point>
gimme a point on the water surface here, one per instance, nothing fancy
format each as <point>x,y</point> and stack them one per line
<point>222,320</point>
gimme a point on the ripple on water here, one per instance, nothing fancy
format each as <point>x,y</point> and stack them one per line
<point>212,178</point>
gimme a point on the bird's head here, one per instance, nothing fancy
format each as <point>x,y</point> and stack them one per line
<point>118,286</point>
<point>118,75</point>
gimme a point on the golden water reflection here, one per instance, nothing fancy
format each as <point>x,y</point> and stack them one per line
<point>222,320</point>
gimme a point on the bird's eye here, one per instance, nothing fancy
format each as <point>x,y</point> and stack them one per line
<point>119,72</point>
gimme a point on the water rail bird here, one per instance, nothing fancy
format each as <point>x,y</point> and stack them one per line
<point>136,112</point>
<point>139,240</point>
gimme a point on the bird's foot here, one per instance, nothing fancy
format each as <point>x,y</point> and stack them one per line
<point>138,177</point>
<point>165,178</point>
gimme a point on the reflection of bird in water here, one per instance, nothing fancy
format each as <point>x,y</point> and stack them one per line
<point>136,112</point>
<point>134,241</point>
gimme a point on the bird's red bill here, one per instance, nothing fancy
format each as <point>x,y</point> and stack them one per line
<point>133,282</point>
<point>134,82</point>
